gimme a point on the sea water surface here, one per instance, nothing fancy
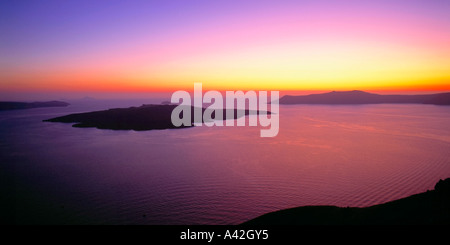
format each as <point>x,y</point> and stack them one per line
<point>356,155</point>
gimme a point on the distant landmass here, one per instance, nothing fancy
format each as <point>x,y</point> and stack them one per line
<point>145,117</point>
<point>361,97</point>
<point>6,105</point>
<point>428,208</point>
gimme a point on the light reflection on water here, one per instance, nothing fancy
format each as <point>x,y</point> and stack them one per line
<point>323,155</point>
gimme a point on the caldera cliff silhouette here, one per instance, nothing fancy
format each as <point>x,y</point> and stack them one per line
<point>428,208</point>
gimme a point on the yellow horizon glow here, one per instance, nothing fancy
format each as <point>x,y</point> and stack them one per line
<point>290,66</point>
<point>289,52</point>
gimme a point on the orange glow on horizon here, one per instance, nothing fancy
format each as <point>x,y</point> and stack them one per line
<point>326,48</point>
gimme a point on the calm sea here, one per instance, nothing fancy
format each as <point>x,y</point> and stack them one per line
<point>52,173</point>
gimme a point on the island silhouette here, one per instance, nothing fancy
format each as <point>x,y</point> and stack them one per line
<point>429,208</point>
<point>361,97</point>
<point>145,117</point>
<point>8,105</point>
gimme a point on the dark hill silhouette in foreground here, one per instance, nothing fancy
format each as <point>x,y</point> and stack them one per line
<point>428,208</point>
<point>145,117</point>
<point>361,97</point>
<point>6,105</point>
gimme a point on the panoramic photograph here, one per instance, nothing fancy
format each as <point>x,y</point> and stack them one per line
<point>225,113</point>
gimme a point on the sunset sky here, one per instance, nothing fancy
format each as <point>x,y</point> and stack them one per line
<point>145,46</point>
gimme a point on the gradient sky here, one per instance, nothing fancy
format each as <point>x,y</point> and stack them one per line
<point>132,46</point>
